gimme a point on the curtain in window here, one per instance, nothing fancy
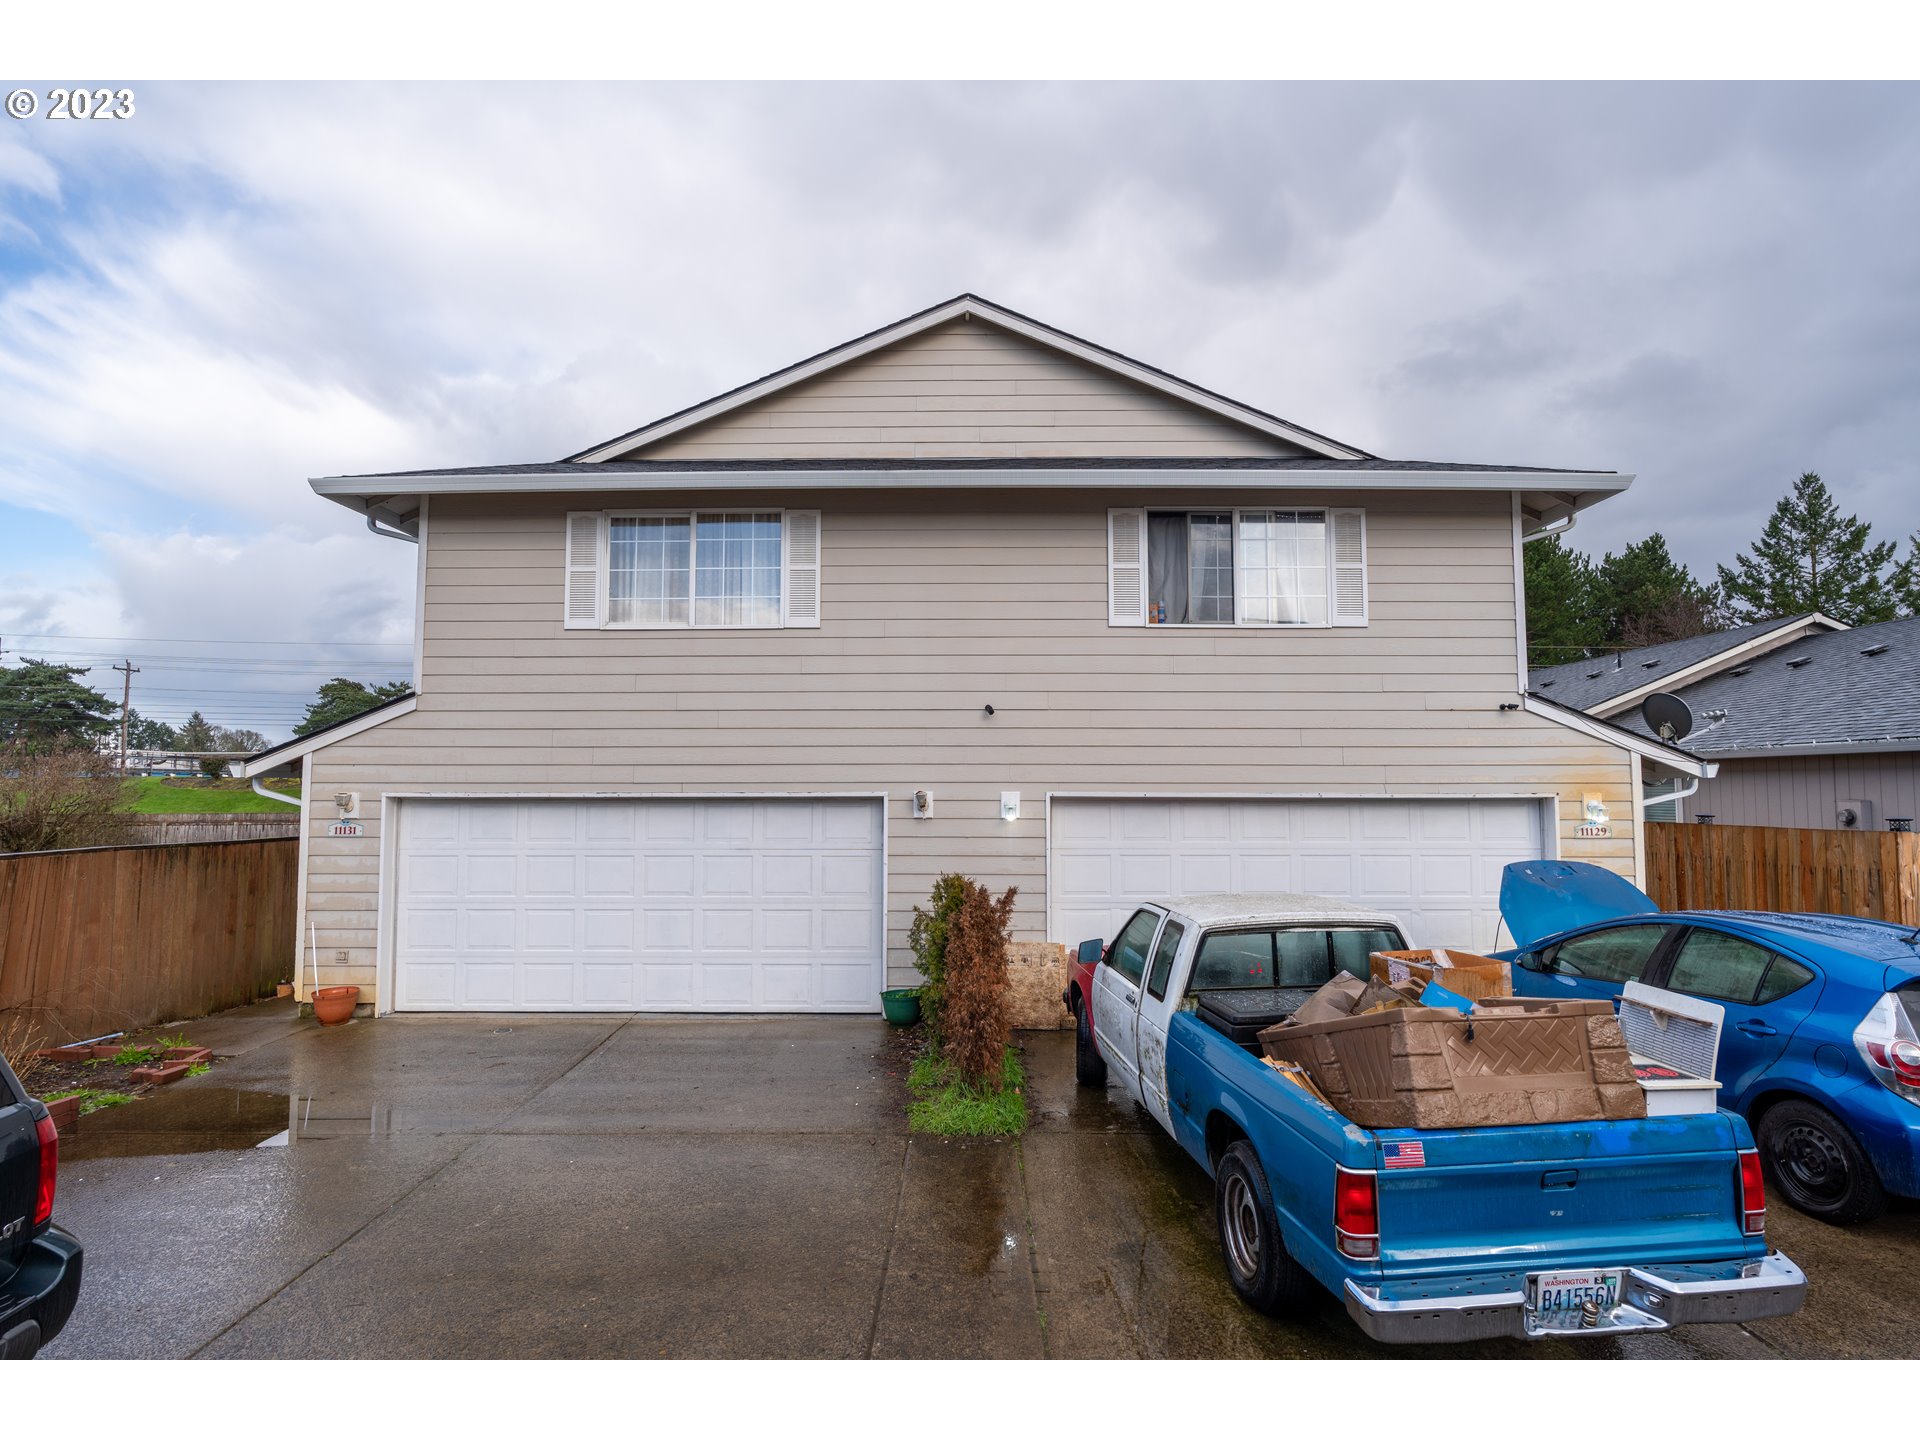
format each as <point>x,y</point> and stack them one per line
<point>736,577</point>
<point>647,571</point>
<point>1167,568</point>
<point>1210,569</point>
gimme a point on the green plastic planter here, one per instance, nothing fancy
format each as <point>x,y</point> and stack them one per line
<point>902,1007</point>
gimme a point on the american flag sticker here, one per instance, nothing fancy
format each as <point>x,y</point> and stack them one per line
<point>1404,1154</point>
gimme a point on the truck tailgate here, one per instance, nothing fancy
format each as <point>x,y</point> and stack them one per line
<point>1628,1192</point>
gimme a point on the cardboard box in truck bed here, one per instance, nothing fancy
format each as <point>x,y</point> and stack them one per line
<point>1476,977</point>
<point>1511,1062</point>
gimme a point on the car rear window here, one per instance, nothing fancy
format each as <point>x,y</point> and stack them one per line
<point>1717,966</point>
<point>1285,956</point>
<point>1783,977</point>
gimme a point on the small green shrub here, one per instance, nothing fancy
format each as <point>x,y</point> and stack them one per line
<point>946,1104</point>
<point>199,1067</point>
<point>173,1042</point>
<point>928,939</point>
<point>131,1054</point>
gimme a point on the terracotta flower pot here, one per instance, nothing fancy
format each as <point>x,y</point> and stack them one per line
<point>333,1004</point>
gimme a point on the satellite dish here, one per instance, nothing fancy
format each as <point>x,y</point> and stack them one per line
<point>1667,716</point>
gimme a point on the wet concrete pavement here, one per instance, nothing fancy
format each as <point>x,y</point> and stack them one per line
<point>500,1186</point>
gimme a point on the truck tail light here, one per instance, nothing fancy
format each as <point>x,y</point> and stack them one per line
<point>1887,1041</point>
<point>49,1170</point>
<point>1753,1195</point>
<point>1356,1214</point>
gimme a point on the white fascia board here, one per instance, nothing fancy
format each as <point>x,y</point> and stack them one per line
<point>1648,749</point>
<point>272,759</point>
<point>349,489</point>
<point>880,339</point>
<point>1783,634</point>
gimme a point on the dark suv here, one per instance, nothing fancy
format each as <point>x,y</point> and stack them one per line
<point>39,1262</point>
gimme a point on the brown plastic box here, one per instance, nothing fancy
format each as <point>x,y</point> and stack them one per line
<point>1512,1062</point>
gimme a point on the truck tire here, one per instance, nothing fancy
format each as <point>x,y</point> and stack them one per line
<point>1088,1067</point>
<point>1262,1272</point>
<point>1812,1159</point>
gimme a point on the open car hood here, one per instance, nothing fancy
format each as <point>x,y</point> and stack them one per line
<point>1540,898</point>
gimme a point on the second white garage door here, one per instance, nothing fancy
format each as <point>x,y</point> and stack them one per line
<point>724,905</point>
<point>1434,863</point>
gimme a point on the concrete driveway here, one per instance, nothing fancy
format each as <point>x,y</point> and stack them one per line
<point>502,1186</point>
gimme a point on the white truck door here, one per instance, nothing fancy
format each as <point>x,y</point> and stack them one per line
<point>1160,995</point>
<point>1116,996</point>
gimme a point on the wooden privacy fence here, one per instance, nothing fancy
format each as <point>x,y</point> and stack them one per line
<point>187,829</point>
<point>1874,874</point>
<point>99,940</point>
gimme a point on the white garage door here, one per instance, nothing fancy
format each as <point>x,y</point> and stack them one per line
<point>1434,863</point>
<point>638,905</point>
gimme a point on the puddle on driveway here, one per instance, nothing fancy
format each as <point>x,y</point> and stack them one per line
<point>191,1120</point>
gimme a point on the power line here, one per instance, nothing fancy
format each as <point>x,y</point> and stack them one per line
<point>184,640</point>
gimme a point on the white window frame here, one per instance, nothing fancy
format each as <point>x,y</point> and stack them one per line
<point>691,516</point>
<point>1239,621</point>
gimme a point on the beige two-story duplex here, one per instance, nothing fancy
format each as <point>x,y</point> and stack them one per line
<point>702,711</point>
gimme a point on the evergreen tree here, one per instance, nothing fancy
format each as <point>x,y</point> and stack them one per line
<point>147,734</point>
<point>43,707</point>
<point>340,699</point>
<point>1563,622</point>
<point>1905,581</point>
<point>1811,557</point>
<point>1648,598</point>
<point>197,734</point>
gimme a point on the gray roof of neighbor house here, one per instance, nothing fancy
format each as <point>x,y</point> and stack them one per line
<point>1584,684</point>
<point>1834,690</point>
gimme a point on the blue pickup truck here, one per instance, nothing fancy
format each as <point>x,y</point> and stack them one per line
<point>1425,1235</point>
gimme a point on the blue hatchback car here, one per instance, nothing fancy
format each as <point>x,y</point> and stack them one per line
<point>1820,1051</point>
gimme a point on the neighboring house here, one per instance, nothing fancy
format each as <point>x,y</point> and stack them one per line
<point>1812,724</point>
<point>705,709</point>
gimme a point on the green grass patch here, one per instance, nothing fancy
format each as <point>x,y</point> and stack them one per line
<point>944,1104</point>
<point>91,1099</point>
<point>159,795</point>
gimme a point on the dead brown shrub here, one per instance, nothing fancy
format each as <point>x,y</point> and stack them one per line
<point>20,1042</point>
<point>974,1023</point>
<point>60,800</point>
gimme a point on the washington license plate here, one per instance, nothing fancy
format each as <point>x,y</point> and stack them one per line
<point>1558,1295</point>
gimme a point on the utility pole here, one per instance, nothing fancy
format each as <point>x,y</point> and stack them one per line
<point>126,708</point>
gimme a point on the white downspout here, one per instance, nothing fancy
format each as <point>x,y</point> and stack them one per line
<point>266,794</point>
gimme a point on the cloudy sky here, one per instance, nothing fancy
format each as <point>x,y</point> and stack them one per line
<point>1714,287</point>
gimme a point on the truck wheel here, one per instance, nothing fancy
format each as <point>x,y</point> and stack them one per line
<point>1819,1167</point>
<point>1088,1067</point>
<point>1263,1273</point>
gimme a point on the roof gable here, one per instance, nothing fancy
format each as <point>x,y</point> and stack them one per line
<point>1610,684</point>
<point>966,378</point>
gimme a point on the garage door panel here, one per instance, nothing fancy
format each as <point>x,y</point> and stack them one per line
<point>557,904</point>
<point>1434,862</point>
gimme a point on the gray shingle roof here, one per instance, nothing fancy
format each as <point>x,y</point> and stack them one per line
<point>587,470</point>
<point>1819,690</point>
<point>1584,684</point>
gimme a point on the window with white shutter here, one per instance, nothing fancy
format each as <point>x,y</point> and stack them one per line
<point>1349,582</point>
<point>1298,567</point>
<point>700,569</point>
<point>1126,567</point>
<point>583,585</point>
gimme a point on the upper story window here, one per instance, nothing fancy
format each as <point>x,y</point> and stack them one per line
<point>704,569</point>
<point>1266,567</point>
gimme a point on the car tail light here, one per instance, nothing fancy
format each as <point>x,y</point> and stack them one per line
<point>1753,1194</point>
<point>49,1170</point>
<point>1356,1214</point>
<point>1887,1042</point>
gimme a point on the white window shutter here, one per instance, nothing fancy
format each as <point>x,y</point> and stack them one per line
<point>584,587</point>
<point>802,582</point>
<point>1348,601</point>
<point>1126,567</point>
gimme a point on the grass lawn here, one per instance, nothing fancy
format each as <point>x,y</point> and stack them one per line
<point>158,795</point>
<point>944,1104</point>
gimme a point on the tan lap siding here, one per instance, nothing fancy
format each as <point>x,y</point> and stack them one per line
<point>930,613</point>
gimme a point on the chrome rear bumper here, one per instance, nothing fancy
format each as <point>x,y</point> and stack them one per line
<point>1652,1297</point>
